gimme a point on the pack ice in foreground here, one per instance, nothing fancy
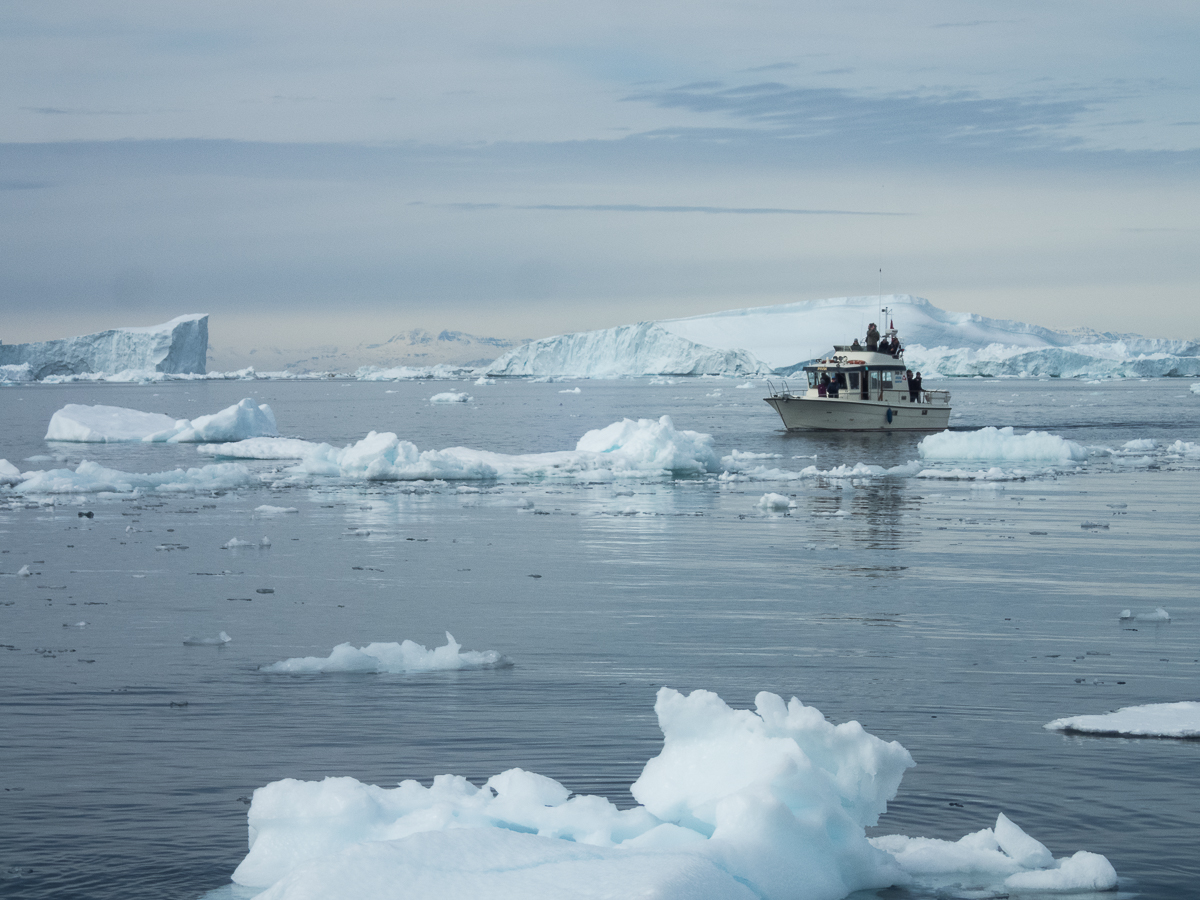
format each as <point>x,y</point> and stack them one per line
<point>739,805</point>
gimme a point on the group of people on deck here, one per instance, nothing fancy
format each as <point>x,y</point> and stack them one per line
<point>875,345</point>
<point>830,387</point>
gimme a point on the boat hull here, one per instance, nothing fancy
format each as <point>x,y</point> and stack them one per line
<point>828,414</point>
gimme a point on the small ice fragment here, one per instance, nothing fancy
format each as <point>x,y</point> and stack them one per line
<point>571,391</point>
<point>1028,852</point>
<point>266,510</point>
<point>772,502</point>
<point>450,397</point>
<point>265,542</point>
<point>24,572</point>
<point>1157,615</point>
<point>221,639</point>
<point>234,543</point>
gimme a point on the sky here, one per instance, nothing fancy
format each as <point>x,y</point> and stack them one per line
<point>315,174</point>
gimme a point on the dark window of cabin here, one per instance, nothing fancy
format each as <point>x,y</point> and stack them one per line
<point>854,381</point>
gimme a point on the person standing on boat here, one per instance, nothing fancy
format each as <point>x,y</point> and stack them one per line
<point>914,387</point>
<point>896,348</point>
<point>872,337</point>
<point>885,346</point>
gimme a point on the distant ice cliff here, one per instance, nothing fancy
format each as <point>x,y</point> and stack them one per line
<point>643,349</point>
<point>176,347</point>
<point>781,338</point>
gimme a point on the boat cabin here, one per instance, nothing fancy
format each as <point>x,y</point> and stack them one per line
<point>859,374</point>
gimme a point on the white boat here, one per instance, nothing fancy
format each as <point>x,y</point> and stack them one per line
<point>871,394</point>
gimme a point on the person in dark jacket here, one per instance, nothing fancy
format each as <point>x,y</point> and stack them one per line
<point>885,346</point>
<point>872,337</point>
<point>914,387</point>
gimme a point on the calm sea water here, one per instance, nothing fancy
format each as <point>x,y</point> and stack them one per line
<point>931,612</point>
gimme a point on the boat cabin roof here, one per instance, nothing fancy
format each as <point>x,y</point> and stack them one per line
<point>845,358</point>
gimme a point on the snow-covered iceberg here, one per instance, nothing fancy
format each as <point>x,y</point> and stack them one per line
<point>1165,720</point>
<point>643,349</point>
<point>114,424</point>
<point>624,449</point>
<point>762,804</point>
<point>406,658</point>
<point>178,347</point>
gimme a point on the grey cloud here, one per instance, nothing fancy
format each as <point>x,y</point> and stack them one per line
<point>637,208</point>
<point>960,120</point>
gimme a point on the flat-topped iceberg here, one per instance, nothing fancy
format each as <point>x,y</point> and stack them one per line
<point>112,424</point>
<point>763,804</point>
<point>178,347</point>
<point>1164,720</point>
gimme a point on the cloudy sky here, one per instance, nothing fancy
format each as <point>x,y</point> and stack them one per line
<point>317,173</point>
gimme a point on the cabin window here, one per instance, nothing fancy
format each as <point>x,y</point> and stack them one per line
<point>887,380</point>
<point>812,379</point>
<point>874,382</point>
<point>854,381</point>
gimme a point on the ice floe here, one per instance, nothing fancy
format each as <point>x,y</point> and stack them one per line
<point>90,478</point>
<point>392,658</point>
<point>625,448</point>
<point>104,424</point>
<point>771,502</point>
<point>219,641</point>
<point>266,510</point>
<point>1001,444</point>
<point>450,397</point>
<point>9,474</point>
<point>762,804</point>
<point>1156,615</point>
<point>1165,720</point>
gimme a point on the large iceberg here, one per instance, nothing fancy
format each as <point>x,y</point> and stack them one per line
<point>764,804</point>
<point>115,424</point>
<point>176,347</point>
<point>780,338</point>
<point>643,349</point>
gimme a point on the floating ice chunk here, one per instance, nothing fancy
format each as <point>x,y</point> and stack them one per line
<point>220,640</point>
<point>235,423</point>
<point>626,448</point>
<point>773,502</point>
<point>1082,872</point>
<point>90,477</point>
<point>1141,444</point>
<point>109,424</point>
<point>1195,388</point>
<point>769,804</point>
<point>24,572</point>
<point>747,385</point>
<point>1176,720</point>
<point>1027,852</point>
<point>266,510</point>
<point>265,542</point>
<point>9,474</point>
<point>450,397</point>
<point>392,658</point>
<point>483,379</point>
<point>98,424</point>
<point>571,391</point>
<point>235,543</point>
<point>262,448</point>
<point>1157,615</point>
<point>1001,444</point>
